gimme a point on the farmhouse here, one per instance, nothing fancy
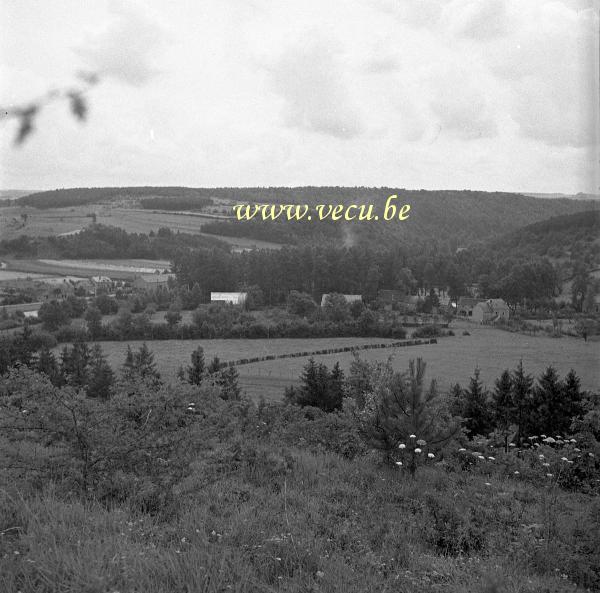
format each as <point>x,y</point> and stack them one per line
<point>234,298</point>
<point>491,311</point>
<point>350,298</point>
<point>152,281</point>
<point>465,305</point>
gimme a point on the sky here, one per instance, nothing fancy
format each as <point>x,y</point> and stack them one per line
<point>495,95</point>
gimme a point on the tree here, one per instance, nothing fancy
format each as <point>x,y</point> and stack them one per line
<point>579,286</point>
<point>522,401</point>
<point>503,407</point>
<point>93,318</point>
<point>173,315</point>
<point>53,315</point>
<point>319,387</point>
<point>47,364</point>
<point>300,303</point>
<point>398,411</point>
<point>74,364</point>
<point>101,376</point>
<point>197,370</point>
<point>473,407</point>
<point>336,307</point>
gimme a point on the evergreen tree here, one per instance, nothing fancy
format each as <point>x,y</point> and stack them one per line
<point>573,398</point>
<point>74,364</point>
<point>144,364</point>
<point>548,410</point>
<point>197,370</point>
<point>474,408</point>
<point>101,376</point>
<point>522,402</point>
<point>128,368</point>
<point>47,364</point>
<point>503,404</point>
<point>336,391</point>
<point>227,380</point>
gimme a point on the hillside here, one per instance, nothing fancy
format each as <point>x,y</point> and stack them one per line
<point>453,217</point>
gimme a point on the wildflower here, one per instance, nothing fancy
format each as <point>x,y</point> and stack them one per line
<point>546,464</point>
<point>487,484</point>
<point>481,457</point>
<point>421,443</point>
<point>542,436</point>
<point>570,461</point>
<point>591,455</point>
<point>541,456</point>
<point>576,449</point>
<point>532,438</point>
<point>461,450</point>
<point>190,408</point>
<point>573,441</point>
<point>549,475</point>
<point>564,459</point>
<point>320,574</point>
<point>492,458</point>
<point>417,450</point>
<point>549,440</point>
<point>192,404</point>
<point>430,455</point>
<point>412,436</point>
<point>517,473</point>
<point>401,446</point>
<point>398,463</point>
<point>512,445</point>
<point>476,453</point>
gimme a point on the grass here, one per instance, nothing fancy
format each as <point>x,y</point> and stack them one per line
<point>297,521</point>
<point>449,361</point>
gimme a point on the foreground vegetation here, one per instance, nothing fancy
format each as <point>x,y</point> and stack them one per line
<point>188,487</point>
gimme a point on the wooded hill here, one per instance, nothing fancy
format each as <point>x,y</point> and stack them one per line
<point>453,217</point>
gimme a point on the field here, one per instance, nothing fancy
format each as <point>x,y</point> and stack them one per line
<point>449,361</point>
<point>61,221</point>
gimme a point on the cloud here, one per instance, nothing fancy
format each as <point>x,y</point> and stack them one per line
<point>312,83</point>
<point>476,19</point>
<point>126,48</point>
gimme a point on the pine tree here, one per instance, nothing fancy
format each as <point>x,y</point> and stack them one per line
<point>197,370</point>
<point>101,375</point>
<point>47,364</point>
<point>474,408</point>
<point>128,368</point>
<point>74,364</point>
<point>547,404</point>
<point>399,407</point>
<point>228,382</point>
<point>144,364</point>
<point>336,391</point>
<point>93,318</point>
<point>573,398</point>
<point>503,404</point>
<point>522,402</point>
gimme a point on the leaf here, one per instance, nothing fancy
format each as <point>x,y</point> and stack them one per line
<point>78,106</point>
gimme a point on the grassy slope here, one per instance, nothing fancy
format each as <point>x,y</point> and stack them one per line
<point>323,524</point>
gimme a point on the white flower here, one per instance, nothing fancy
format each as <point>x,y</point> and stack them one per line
<point>542,436</point>
<point>541,456</point>
<point>417,450</point>
<point>430,455</point>
<point>591,455</point>
<point>487,484</point>
<point>401,446</point>
<point>576,449</point>
<point>481,457</point>
<point>421,443</point>
<point>461,450</point>
<point>549,475</point>
<point>492,458</point>
<point>412,436</point>
<point>573,441</point>
<point>546,464</point>
<point>549,440</point>
<point>569,461</point>
<point>476,453</point>
<point>512,445</point>
<point>516,473</point>
<point>398,463</point>
<point>564,459</point>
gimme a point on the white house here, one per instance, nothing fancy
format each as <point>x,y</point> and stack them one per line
<point>234,298</point>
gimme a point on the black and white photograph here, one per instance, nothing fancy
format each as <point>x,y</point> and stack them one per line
<point>299,297</point>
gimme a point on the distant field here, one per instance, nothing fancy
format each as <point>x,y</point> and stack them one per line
<point>61,221</point>
<point>450,361</point>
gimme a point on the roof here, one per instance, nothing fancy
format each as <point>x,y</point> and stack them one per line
<point>350,298</point>
<point>98,279</point>
<point>493,304</point>
<point>468,302</point>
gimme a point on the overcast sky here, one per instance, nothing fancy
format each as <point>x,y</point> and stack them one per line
<point>475,94</point>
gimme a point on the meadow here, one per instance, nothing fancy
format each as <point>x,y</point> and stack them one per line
<point>451,360</point>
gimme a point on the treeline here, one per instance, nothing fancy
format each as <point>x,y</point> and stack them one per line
<point>106,242</point>
<point>63,198</point>
<point>176,203</point>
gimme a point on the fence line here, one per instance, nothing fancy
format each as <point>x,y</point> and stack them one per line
<point>244,361</point>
